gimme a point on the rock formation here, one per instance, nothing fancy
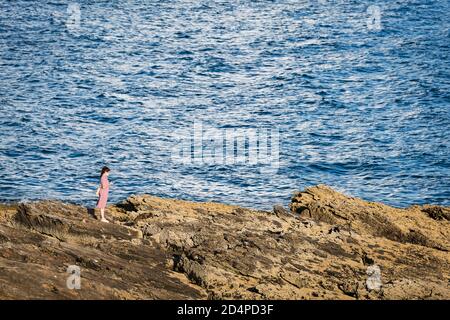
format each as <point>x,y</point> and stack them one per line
<point>327,246</point>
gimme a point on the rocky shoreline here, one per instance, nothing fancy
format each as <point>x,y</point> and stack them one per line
<point>327,245</point>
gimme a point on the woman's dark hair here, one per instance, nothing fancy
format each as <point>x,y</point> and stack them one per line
<point>104,169</point>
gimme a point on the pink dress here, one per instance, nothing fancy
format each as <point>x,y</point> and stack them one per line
<point>104,189</point>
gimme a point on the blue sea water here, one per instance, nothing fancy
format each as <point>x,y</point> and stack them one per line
<point>361,104</point>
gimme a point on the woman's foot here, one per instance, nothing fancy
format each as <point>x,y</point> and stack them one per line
<point>104,220</point>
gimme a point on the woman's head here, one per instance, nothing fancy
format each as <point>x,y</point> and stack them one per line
<point>106,170</point>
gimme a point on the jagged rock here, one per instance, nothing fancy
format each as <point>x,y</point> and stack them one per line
<point>321,203</point>
<point>49,236</point>
<point>436,212</point>
<point>242,248</point>
<point>280,210</point>
<point>332,246</point>
<point>65,221</point>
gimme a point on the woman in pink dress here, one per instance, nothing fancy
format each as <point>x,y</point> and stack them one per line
<point>102,192</point>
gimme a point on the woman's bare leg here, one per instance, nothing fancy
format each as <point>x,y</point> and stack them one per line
<point>102,212</point>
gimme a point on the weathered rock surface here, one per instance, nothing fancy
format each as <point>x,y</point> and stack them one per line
<point>40,240</point>
<point>412,225</point>
<point>328,246</point>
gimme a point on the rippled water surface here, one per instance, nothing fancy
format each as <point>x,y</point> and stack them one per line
<point>361,107</point>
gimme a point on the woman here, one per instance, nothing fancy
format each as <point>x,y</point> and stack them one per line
<point>102,192</point>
